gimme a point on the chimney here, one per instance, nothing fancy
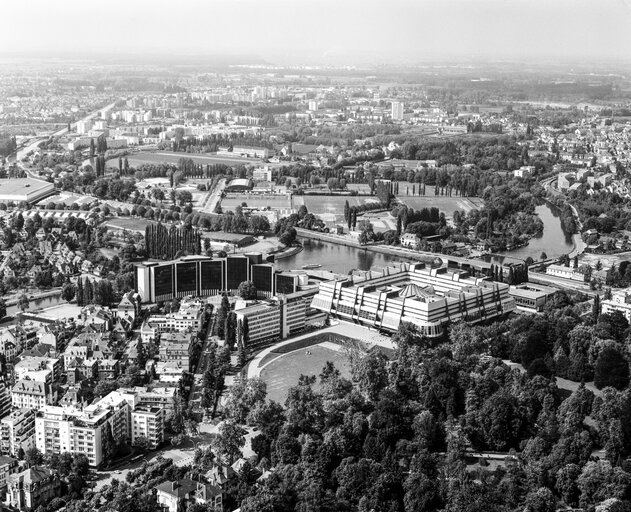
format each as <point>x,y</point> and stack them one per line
<point>173,486</point>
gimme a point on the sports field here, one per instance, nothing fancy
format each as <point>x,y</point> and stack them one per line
<point>283,372</point>
<point>445,204</point>
<point>253,200</point>
<point>129,223</point>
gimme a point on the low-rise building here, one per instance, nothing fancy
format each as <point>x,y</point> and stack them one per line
<point>620,301</point>
<point>410,240</point>
<point>564,272</point>
<point>176,496</point>
<point>31,488</point>
<point>152,396</point>
<point>531,297</point>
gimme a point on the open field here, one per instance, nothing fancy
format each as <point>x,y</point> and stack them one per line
<point>445,204</point>
<point>261,201</point>
<point>164,157</point>
<point>131,224</point>
<point>284,371</point>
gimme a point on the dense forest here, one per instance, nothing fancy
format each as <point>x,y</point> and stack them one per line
<point>413,432</point>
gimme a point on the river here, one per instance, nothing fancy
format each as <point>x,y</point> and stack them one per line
<point>36,304</point>
<point>341,259</point>
<point>336,258</point>
<point>554,241</point>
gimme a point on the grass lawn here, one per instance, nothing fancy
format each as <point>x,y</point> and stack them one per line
<point>284,371</point>
<point>129,223</point>
<point>160,157</point>
<point>445,204</point>
<point>234,200</point>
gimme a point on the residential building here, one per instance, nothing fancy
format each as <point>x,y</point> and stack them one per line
<point>410,240</point>
<point>17,431</point>
<point>152,396</point>
<point>176,496</point>
<point>397,110</point>
<point>147,423</point>
<point>60,430</point>
<point>429,298</point>
<point>31,488</point>
<point>564,272</point>
<point>129,305</point>
<point>108,368</point>
<point>38,368</point>
<point>620,301</point>
<point>31,394</point>
<point>8,466</point>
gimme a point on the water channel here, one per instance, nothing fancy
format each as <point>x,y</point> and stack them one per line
<point>554,241</point>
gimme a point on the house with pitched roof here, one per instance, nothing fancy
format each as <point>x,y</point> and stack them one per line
<point>176,496</point>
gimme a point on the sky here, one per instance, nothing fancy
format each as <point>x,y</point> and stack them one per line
<point>322,31</point>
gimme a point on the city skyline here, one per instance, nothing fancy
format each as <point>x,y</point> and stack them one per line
<point>323,32</point>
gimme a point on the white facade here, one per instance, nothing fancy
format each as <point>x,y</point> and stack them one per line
<point>60,429</point>
<point>620,301</point>
<point>149,424</point>
<point>397,110</point>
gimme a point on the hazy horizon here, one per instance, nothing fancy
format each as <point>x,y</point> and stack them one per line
<point>282,32</point>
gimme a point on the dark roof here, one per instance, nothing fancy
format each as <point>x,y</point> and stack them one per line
<point>180,488</point>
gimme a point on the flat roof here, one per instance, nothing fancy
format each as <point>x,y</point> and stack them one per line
<point>22,186</point>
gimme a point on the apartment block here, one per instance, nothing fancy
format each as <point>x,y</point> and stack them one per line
<point>31,394</point>
<point>147,423</point>
<point>60,429</point>
<point>17,431</point>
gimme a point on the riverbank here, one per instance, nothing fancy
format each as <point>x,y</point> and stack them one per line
<point>425,257</point>
<point>35,296</point>
<point>287,252</point>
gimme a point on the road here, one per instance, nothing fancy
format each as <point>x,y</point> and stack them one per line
<point>34,142</point>
<point>181,455</point>
<point>213,197</point>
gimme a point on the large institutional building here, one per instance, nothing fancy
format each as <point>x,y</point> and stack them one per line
<point>429,298</point>
<point>202,276</point>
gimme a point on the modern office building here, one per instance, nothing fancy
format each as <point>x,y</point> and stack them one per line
<point>191,275</point>
<point>202,276</point>
<point>429,298</point>
<point>274,318</point>
<point>531,297</point>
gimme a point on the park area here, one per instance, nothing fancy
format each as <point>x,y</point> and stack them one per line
<point>330,208</point>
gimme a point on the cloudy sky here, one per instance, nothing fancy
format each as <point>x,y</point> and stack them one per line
<point>323,31</point>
